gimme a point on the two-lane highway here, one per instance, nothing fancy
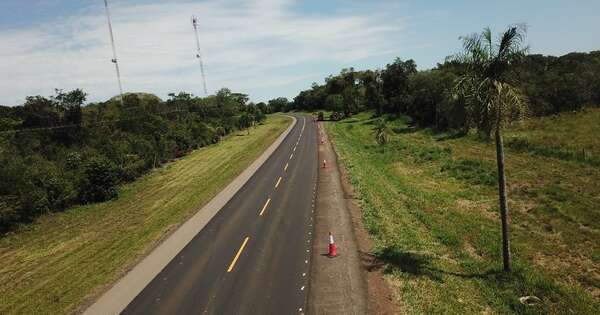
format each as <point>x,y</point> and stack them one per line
<point>253,256</point>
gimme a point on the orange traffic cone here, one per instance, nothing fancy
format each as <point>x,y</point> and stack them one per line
<point>324,163</point>
<point>332,248</point>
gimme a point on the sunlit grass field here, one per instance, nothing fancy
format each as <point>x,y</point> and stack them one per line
<point>54,264</point>
<point>572,136</point>
<point>430,202</point>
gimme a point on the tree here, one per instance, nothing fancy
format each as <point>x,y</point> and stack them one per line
<point>335,102</point>
<point>492,102</point>
<point>371,80</point>
<point>395,84</point>
<point>428,95</point>
<point>279,104</point>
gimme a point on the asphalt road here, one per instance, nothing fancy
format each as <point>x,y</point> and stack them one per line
<point>253,256</point>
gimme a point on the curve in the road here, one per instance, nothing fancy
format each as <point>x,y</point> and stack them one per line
<point>253,256</point>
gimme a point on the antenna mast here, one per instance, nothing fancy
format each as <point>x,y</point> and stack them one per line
<point>198,54</point>
<point>114,51</point>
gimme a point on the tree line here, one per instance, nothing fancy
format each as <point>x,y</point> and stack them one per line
<point>489,84</point>
<point>550,84</point>
<point>56,152</point>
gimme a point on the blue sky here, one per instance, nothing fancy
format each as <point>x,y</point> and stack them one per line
<point>266,48</point>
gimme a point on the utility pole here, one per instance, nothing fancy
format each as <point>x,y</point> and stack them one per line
<point>114,51</point>
<point>198,54</point>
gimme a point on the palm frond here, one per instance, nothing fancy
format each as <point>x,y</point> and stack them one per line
<point>487,35</point>
<point>507,104</point>
<point>511,44</point>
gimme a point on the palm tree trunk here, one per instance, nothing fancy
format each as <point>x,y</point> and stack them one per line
<point>502,195</point>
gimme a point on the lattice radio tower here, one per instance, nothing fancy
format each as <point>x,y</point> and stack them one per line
<point>114,51</point>
<point>198,53</point>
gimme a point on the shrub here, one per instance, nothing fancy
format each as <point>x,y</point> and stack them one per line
<point>58,192</point>
<point>33,203</point>
<point>8,214</point>
<point>73,160</point>
<point>100,181</point>
<point>133,167</point>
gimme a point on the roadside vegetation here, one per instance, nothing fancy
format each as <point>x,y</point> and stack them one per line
<point>57,152</point>
<point>52,265</point>
<point>426,153</point>
<point>430,202</point>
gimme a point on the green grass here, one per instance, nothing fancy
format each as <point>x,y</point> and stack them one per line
<point>430,203</point>
<point>52,265</point>
<point>572,136</point>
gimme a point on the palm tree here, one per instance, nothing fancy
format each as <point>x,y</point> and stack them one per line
<point>491,101</point>
<point>382,133</point>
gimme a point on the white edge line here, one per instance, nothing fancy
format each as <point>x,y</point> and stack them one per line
<point>116,299</point>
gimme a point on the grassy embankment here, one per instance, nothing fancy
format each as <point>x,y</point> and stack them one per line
<point>53,264</point>
<point>430,203</point>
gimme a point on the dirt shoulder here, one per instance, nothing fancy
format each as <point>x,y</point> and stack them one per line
<point>351,283</point>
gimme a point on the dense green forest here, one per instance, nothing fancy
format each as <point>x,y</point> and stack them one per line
<point>550,84</point>
<point>56,151</point>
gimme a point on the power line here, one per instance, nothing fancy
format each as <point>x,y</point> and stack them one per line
<point>105,122</point>
<point>114,51</point>
<point>198,53</point>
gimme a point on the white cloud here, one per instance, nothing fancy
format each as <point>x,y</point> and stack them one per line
<point>246,45</point>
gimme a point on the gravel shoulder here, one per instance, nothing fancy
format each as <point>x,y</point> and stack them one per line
<point>337,285</point>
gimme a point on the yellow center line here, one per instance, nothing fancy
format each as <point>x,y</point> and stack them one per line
<point>265,206</point>
<point>238,254</point>
<point>286,166</point>
<point>278,181</point>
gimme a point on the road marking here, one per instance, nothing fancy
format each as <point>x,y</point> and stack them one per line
<point>278,181</point>
<point>291,156</point>
<point>238,254</point>
<point>294,149</point>
<point>286,166</point>
<point>265,206</point>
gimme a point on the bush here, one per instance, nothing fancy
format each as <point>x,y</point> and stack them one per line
<point>133,167</point>
<point>100,181</point>
<point>8,214</point>
<point>33,203</point>
<point>58,192</point>
<point>73,160</point>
